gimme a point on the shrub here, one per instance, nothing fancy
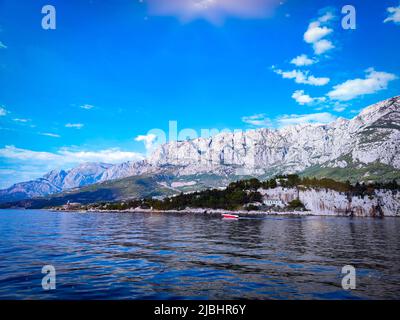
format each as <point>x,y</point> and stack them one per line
<point>296,204</point>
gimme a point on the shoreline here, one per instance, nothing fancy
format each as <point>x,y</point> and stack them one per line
<point>212,212</point>
<point>241,213</point>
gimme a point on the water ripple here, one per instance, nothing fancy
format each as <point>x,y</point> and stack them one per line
<point>177,256</point>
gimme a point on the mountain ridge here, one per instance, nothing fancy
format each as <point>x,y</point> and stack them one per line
<point>351,146</point>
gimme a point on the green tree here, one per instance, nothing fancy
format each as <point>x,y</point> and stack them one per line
<point>296,204</point>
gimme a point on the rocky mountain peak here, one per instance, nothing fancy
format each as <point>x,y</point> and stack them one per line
<point>374,112</point>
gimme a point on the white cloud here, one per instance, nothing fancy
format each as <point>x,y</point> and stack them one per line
<point>339,108</point>
<point>317,31</point>
<point>328,16</point>
<point>302,60</point>
<point>373,82</point>
<point>322,46</point>
<point>68,156</point>
<point>113,155</point>
<point>302,77</point>
<point>87,106</point>
<point>21,120</point>
<point>258,120</point>
<point>262,120</point>
<point>2,45</point>
<point>302,98</point>
<point>214,11</point>
<point>148,141</point>
<point>394,15</point>
<point>14,153</point>
<point>6,171</point>
<point>314,118</point>
<point>74,125</point>
<point>53,135</point>
<point>29,164</point>
<point>3,111</point>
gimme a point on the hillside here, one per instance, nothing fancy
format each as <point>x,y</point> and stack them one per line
<point>127,188</point>
<point>134,187</point>
<point>280,195</point>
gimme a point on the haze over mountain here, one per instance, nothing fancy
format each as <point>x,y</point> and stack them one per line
<point>56,181</point>
<point>364,148</point>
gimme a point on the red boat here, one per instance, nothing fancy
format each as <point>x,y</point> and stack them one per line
<point>230,216</point>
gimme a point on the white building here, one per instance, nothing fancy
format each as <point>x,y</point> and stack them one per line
<point>273,202</point>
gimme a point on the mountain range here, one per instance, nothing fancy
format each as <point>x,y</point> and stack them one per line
<point>364,148</point>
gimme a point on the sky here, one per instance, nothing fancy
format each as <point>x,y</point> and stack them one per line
<point>95,87</point>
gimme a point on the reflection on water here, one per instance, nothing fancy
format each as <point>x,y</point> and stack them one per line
<point>154,256</point>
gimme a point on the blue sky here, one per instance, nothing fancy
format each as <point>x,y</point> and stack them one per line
<point>112,71</point>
